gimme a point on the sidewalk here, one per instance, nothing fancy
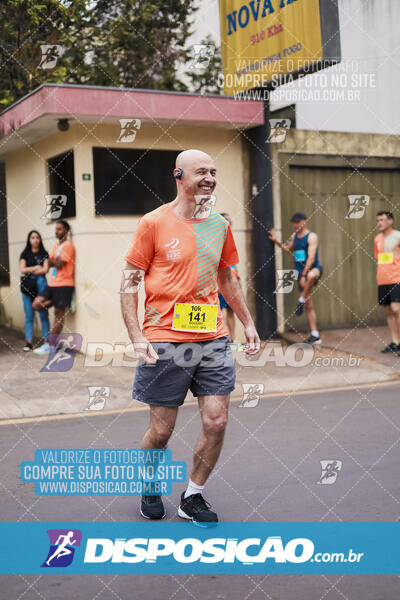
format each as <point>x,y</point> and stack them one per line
<point>347,358</point>
<point>364,341</point>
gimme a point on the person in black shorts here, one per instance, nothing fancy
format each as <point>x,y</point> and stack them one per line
<point>304,244</point>
<point>60,289</point>
<point>183,345</point>
<point>387,254</point>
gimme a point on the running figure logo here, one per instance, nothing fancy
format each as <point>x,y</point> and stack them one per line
<point>55,205</point>
<point>202,54</point>
<point>204,204</point>
<point>131,281</point>
<point>97,397</point>
<point>278,130</point>
<point>286,280</point>
<point>50,55</point>
<point>357,206</point>
<point>129,128</point>
<point>62,547</point>
<point>62,352</point>
<point>329,471</point>
<point>251,394</point>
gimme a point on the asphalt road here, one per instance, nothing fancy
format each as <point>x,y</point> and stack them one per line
<point>268,471</point>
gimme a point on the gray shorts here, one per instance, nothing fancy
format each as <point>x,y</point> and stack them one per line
<point>206,368</point>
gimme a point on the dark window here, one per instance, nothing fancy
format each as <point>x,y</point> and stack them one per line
<point>62,180</point>
<point>4,257</point>
<point>132,182</point>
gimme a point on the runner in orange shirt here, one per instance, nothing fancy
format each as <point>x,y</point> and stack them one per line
<point>387,253</point>
<point>60,289</point>
<point>184,253</point>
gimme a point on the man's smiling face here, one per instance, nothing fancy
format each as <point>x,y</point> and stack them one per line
<point>200,177</point>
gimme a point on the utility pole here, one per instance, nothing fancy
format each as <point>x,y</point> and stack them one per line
<point>262,215</point>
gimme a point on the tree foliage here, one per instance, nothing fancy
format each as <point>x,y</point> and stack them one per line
<point>208,80</point>
<point>25,25</point>
<point>119,43</point>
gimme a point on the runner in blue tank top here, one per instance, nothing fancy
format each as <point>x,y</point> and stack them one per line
<point>303,244</point>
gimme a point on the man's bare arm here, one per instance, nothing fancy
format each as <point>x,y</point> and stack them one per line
<point>312,250</point>
<point>232,292</point>
<point>286,247</point>
<point>131,279</point>
<point>57,262</point>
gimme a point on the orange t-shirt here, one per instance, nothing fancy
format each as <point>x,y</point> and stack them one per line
<point>387,253</point>
<point>65,275</point>
<point>181,258</point>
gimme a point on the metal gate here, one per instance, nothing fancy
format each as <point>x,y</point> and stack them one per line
<point>320,186</point>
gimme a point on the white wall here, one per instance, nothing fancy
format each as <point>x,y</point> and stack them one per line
<point>102,242</point>
<point>370,42</point>
<point>370,45</point>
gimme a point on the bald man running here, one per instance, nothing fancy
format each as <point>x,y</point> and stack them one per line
<point>184,251</point>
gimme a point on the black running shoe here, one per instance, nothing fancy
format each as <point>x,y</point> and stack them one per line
<point>299,309</point>
<point>313,339</point>
<point>194,507</point>
<point>152,507</point>
<point>391,348</point>
<point>28,347</point>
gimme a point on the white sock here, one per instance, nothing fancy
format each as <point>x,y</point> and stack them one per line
<point>193,488</point>
<point>315,332</point>
<point>302,299</point>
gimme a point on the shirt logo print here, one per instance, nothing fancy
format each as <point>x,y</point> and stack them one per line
<point>173,254</point>
<point>173,243</point>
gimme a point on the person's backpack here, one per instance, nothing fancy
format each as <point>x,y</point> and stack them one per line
<point>28,285</point>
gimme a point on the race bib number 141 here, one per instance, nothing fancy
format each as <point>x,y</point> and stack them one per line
<point>200,318</point>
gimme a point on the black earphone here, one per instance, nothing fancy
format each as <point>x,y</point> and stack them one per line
<point>179,175</point>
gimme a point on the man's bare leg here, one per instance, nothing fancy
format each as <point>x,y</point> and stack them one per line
<point>310,314</point>
<point>162,423</point>
<point>59,314</point>
<point>311,278</point>
<point>40,302</point>
<point>214,416</point>
<point>393,321</point>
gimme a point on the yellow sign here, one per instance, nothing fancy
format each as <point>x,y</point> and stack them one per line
<point>200,318</point>
<point>385,258</point>
<point>265,39</point>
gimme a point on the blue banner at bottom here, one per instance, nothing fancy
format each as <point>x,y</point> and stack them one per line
<point>149,548</point>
